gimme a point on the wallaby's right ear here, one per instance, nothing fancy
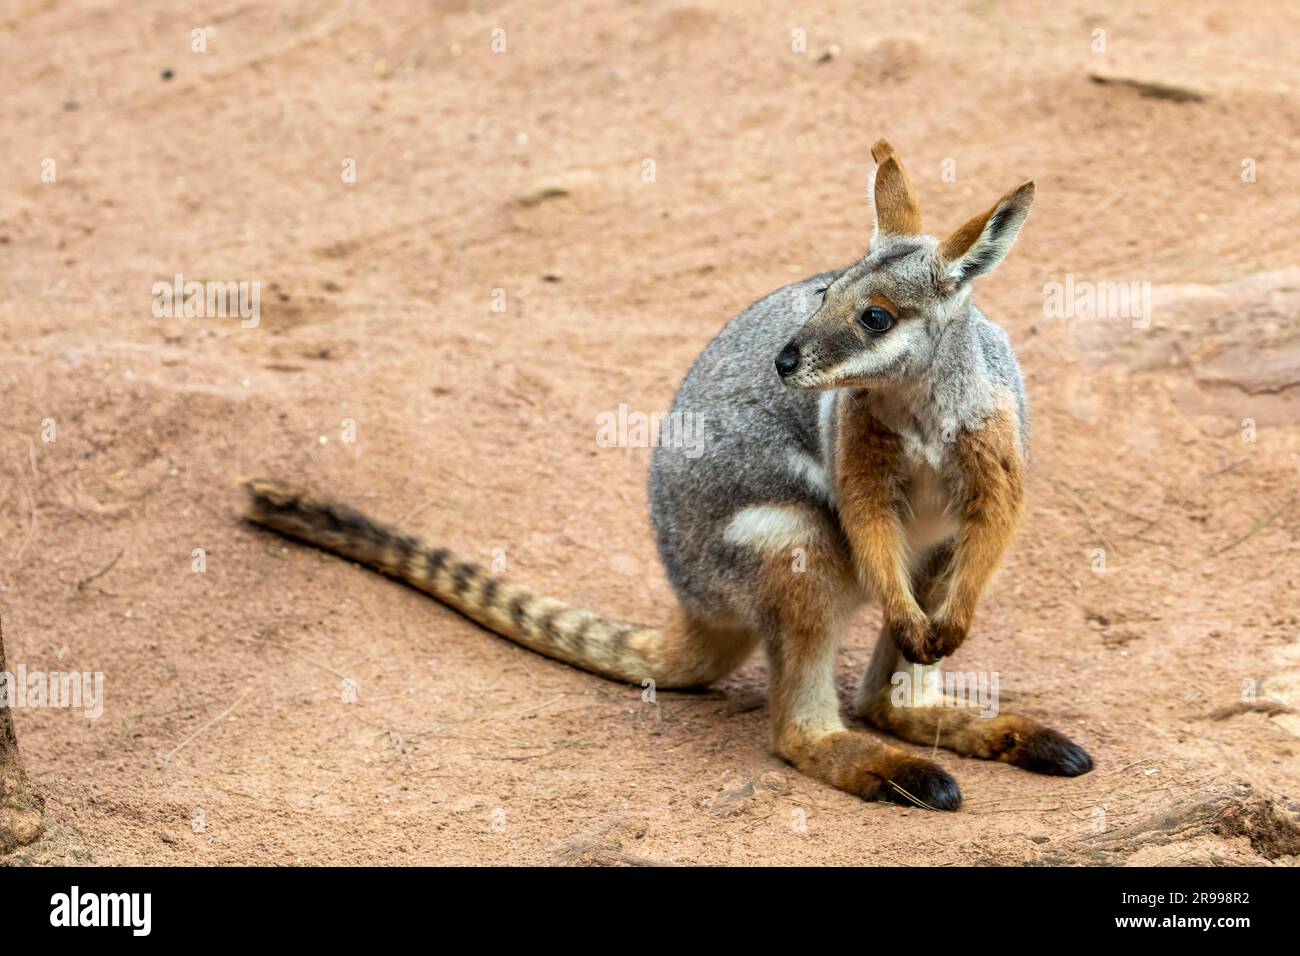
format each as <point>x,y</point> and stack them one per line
<point>984,241</point>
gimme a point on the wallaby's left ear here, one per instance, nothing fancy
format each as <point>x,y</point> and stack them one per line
<point>892,201</point>
<point>979,245</point>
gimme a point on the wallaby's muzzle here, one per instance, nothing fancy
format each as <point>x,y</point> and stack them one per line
<point>787,361</point>
<point>825,341</point>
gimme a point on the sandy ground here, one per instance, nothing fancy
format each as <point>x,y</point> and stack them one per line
<point>1155,576</point>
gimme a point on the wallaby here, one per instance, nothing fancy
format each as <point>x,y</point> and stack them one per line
<point>882,458</point>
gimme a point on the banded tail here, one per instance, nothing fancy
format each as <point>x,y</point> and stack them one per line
<point>628,652</point>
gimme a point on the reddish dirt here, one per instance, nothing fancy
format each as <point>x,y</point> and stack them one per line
<point>224,689</point>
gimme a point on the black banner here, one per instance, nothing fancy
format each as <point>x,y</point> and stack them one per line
<point>1225,906</point>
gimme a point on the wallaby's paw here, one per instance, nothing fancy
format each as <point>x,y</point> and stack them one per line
<point>1048,751</point>
<point>912,638</point>
<point>944,638</point>
<point>927,642</point>
<point>921,783</point>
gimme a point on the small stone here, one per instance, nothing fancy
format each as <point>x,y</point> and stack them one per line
<point>541,192</point>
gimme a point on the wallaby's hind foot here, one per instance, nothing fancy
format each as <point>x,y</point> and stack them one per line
<point>861,765</point>
<point>919,782</point>
<point>958,727</point>
<point>1032,746</point>
<point>936,720</point>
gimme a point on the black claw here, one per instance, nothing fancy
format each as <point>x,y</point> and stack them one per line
<point>1051,752</point>
<point>923,784</point>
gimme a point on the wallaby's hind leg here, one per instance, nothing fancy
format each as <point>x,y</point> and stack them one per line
<point>927,716</point>
<point>806,612</point>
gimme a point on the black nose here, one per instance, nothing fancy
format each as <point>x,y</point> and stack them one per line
<point>788,360</point>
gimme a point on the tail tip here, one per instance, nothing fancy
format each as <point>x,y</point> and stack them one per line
<point>263,495</point>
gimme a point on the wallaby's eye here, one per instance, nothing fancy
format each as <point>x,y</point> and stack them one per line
<point>876,319</point>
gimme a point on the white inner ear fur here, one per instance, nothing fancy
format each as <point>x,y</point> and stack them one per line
<point>871,202</point>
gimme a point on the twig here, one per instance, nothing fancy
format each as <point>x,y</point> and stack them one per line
<point>919,802</point>
<point>221,716</point>
<point>1087,516</point>
<point>1255,528</point>
<point>1225,469</point>
<point>31,528</point>
<point>104,568</point>
<point>281,646</point>
<point>535,709</point>
<point>1151,88</point>
<point>1020,810</point>
<point>415,512</point>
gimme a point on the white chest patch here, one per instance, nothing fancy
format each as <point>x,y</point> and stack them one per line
<point>921,448</point>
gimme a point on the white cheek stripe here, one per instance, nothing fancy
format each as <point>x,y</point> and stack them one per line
<point>871,361</point>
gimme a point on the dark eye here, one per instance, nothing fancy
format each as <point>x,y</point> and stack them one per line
<point>876,319</point>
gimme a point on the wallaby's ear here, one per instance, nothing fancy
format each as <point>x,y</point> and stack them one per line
<point>979,245</point>
<point>895,207</point>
